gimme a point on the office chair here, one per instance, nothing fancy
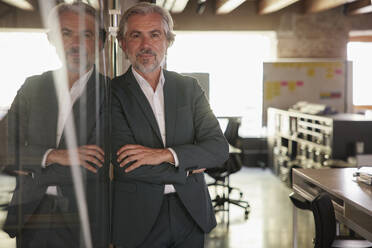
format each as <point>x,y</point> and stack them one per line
<point>325,223</point>
<point>221,175</point>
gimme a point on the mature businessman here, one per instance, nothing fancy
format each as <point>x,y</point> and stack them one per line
<point>164,135</point>
<point>51,114</point>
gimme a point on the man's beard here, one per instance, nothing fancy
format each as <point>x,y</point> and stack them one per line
<point>77,64</point>
<point>146,66</point>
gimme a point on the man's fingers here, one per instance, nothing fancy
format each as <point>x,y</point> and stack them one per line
<point>20,172</point>
<point>93,153</point>
<point>127,147</point>
<point>133,166</point>
<point>128,153</point>
<point>95,148</point>
<point>91,159</point>
<point>132,158</point>
<point>198,171</point>
<point>88,167</point>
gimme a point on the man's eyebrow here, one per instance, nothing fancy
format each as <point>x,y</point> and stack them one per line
<point>151,31</point>
<point>134,31</point>
<point>155,31</point>
<point>65,29</point>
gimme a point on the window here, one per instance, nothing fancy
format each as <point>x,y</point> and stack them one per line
<point>234,63</point>
<point>360,54</point>
<point>23,54</point>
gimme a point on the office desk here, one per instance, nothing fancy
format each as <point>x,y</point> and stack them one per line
<point>352,201</point>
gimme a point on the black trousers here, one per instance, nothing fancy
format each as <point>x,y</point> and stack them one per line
<point>174,227</point>
<point>49,232</point>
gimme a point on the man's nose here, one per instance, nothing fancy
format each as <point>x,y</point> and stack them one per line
<point>146,41</point>
<point>75,39</point>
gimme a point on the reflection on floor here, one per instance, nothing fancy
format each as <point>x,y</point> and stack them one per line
<point>269,224</point>
<point>7,184</point>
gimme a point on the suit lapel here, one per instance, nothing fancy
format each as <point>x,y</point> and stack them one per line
<point>51,112</point>
<point>170,108</point>
<point>143,103</point>
<point>84,113</point>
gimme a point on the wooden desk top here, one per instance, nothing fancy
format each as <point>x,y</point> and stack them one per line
<point>339,182</point>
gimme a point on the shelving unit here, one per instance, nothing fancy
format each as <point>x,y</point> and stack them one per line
<point>297,140</point>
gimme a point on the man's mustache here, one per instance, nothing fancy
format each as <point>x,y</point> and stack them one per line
<point>75,50</point>
<point>146,52</point>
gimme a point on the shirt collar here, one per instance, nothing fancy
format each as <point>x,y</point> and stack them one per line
<point>143,82</point>
<point>82,81</point>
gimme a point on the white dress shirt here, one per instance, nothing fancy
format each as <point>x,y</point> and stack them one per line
<point>156,100</point>
<point>64,111</point>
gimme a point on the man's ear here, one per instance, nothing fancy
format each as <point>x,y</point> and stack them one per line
<point>122,45</point>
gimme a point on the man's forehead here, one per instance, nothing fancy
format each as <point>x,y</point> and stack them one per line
<point>146,22</point>
<point>72,16</point>
<point>73,19</point>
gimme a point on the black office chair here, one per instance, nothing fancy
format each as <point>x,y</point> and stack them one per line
<point>221,175</point>
<point>325,223</point>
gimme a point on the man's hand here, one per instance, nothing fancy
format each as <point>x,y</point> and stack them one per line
<point>142,155</point>
<point>87,153</point>
<point>198,171</point>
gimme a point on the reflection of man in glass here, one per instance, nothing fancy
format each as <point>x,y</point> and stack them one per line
<point>56,120</point>
<point>163,136</point>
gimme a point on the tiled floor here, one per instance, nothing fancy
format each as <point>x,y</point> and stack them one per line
<point>270,221</point>
<point>7,184</point>
<point>269,224</point>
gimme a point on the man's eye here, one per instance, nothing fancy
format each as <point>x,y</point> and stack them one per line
<point>88,35</point>
<point>66,33</point>
<point>155,35</point>
<point>134,36</point>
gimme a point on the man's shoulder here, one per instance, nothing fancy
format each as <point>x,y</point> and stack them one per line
<point>123,80</point>
<point>120,78</point>
<point>37,81</point>
<point>176,75</point>
<point>180,79</point>
<point>40,77</point>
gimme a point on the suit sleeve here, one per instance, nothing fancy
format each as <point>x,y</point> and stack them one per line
<point>20,154</point>
<point>210,148</point>
<point>164,173</point>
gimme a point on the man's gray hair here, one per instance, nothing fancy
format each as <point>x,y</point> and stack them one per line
<point>78,8</point>
<point>144,8</point>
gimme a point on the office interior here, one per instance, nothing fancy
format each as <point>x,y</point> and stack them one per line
<point>289,81</point>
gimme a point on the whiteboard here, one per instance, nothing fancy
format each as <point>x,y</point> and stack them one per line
<point>323,82</point>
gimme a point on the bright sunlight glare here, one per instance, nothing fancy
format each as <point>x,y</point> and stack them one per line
<point>234,63</point>
<point>23,54</point>
<point>360,53</point>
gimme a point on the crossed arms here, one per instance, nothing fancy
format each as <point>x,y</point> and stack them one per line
<point>156,165</point>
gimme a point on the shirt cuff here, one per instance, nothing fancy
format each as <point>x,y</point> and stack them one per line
<point>43,162</point>
<point>176,162</point>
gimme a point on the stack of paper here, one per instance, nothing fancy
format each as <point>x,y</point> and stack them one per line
<point>364,177</point>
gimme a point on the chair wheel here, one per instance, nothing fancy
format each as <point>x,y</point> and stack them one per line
<point>246,213</point>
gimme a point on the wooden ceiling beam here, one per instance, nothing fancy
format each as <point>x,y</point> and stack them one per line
<point>270,6</point>
<point>313,6</point>
<point>359,7</point>
<point>226,6</point>
<point>22,4</point>
<point>174,6</point>
<point>179,6</point>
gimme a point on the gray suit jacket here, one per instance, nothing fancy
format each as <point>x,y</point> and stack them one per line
<point>32,127</point>
<point>191,130</point>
